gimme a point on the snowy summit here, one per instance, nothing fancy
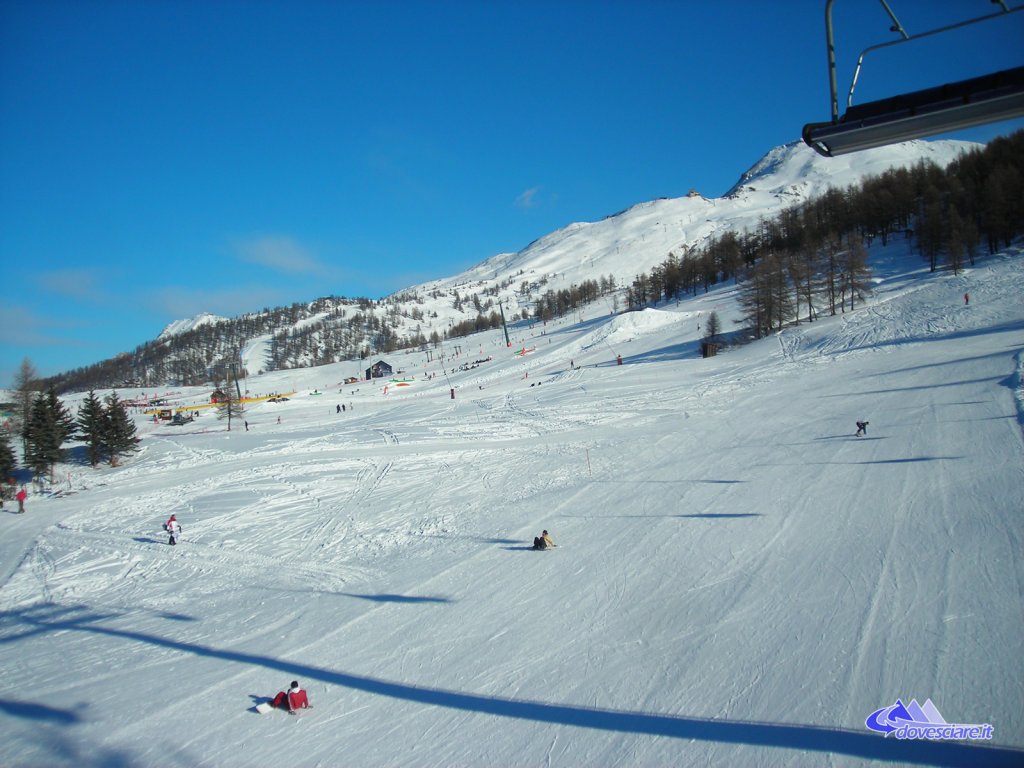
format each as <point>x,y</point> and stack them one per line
<point>182,326</point>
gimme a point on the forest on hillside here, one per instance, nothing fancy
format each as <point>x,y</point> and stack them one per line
<point>811,258</point>
<point>807,260</point>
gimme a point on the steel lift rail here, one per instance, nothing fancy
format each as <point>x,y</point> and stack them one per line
<point>950,107</point>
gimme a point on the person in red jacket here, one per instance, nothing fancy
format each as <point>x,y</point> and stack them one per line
<point>173,528</point>
<point>297,698</point>
<point>294,699</point>
<point>21,496</point>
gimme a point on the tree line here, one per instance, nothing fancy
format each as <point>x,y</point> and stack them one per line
<point>812,258</point>
<point>45,425</point>
<point>806,260</point>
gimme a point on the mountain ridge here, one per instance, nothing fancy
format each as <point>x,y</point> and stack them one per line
<point>614,249</point>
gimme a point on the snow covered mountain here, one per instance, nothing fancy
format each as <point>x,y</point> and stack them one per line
<point>641,237</point>
<point>739,580</point>
<point>618,247</point>
<point>184,326</point>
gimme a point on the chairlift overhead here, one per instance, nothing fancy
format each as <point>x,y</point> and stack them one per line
<point>949,107</point>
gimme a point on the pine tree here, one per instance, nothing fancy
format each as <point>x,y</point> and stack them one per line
<point>35,434</point>
<point>7,459</point>
<point>50,425</point>
<point>92,423</point>
<point>119,434</point>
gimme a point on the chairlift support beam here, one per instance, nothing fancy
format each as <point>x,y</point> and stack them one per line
<point>950,107</point>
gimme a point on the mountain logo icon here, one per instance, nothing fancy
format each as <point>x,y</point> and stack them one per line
<point>922,721</point>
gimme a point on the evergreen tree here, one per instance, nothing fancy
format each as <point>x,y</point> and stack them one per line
<point>92,424</point>
<point>7,459</point>
<point>35,434</point>
<point>50,425</point>
<point>119,433</point>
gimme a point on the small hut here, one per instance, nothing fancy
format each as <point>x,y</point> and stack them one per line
<point>379,370</point>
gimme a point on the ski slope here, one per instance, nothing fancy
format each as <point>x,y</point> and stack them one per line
<point>739,581</point>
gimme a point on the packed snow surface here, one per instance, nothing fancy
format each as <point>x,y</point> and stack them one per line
<point>739,580</point>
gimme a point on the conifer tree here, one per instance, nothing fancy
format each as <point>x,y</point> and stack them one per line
<point>119,434</point>
<point>92,423</point>
<point>50,425</point>
<point>7,459</point>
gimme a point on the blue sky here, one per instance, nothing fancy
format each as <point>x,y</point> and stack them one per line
<point>161,159</point>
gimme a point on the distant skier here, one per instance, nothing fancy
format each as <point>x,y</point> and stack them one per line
<point>543,541</point>
<point>967,298</point>
<point>862,428</point>
<point>21,496</point>
<point>173,528</point>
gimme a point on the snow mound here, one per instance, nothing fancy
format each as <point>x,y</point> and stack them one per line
<point>631,325</point>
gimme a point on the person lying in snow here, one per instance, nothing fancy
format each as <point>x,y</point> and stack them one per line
<point>543,541</point>
<point>294,699</point>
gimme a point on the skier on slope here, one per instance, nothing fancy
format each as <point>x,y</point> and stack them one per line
<point>173,528</point>
<point>862,428</point>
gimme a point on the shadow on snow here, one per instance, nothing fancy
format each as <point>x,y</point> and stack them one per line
<point>712,515</point>
<point>40,712</point>
<point>812,738</point>
<point>385,598</point>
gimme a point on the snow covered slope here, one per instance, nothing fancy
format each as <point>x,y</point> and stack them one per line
<point>640,238</point>
<point>740,580</point>
<point>182,326</point>
<point>621,246</point>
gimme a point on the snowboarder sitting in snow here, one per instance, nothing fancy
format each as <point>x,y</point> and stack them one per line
<point>294,699</point>
<point>543,541</point>
<point>862,428</point>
